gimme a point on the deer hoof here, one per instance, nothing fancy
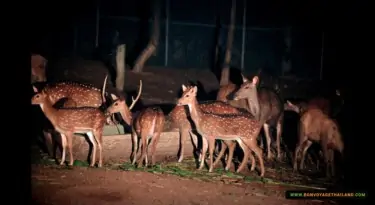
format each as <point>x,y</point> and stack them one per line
<point>180,159</point>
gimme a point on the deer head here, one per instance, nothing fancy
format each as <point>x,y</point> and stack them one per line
<point>188,95</point>
<point>248,89</point>
<point>120,106</point>
<point>39,98</point>
<point>38,68</point>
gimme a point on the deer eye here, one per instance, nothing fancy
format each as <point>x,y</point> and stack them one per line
<point>187,96</point>
<point>247,87</point>
<point>37,96</point>
<point>116,104</point>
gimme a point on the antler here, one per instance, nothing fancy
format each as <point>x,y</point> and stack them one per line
<point>137,98</point>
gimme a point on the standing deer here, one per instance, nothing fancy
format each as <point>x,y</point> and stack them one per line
<point>266,106</point>
<point>38,68</point>
<point>178,118</point>
<point>67,121</point>
<point>147,125</point>
<point>315,126</point>
<point>240,128</point>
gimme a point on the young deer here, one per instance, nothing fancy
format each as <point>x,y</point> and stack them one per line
<point>178,118</point>
<point>315,126</point>
<point>240,128</point>
<point>148,124</point>
<point>67,121</point>
<point>266,106</point>
<point>38,68</point>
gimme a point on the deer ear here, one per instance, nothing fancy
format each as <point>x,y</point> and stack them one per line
<point>255,80</point>
<point>195,89</point>
<point>289,103</point>
<point>183,88</point>
<point>35,89</point>
<point>244,79</point>
<point>114,97</point>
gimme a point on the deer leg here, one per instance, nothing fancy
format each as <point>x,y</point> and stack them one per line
<point>63,144</point>
<point>245,150</point>
<point>92,140</point>
<point>252,158</point>
<point>258,152</point>
<point>49,143</point>
<point>266,128</point>
<point>204,151</point>
<point>195,144</point>
<point>231,146</point>
<point>134,137</point>
<point>221,153</point>
<point>331,155</point>
<point>99,139</point>
<point>183,135</point>
<point>144,147</point>
<point>278,136</point>
<point>211,147</point>
<point>307,146</point>
<point>69,140</point>
<point>298,148</point>
<point>326,158</point>
<point>154,143</point>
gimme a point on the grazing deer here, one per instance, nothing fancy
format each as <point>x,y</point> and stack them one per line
<point>266,106</point>
<point>38,68</point>
<point>178,118</point>
<point>67,121</point>
<point>315,126</point>
<point>147,125</point>
<point>240,128</point>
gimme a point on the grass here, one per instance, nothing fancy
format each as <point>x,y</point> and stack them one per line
<point>186,169</point>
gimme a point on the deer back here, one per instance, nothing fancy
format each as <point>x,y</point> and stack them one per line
<point>150,120</point>
<point>271,106</point>
<point>83,95</point>
<point>178,116</point>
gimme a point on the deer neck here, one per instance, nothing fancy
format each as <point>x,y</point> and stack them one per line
<point>49,111</point>
<point>195,113</point>
<point>253,104</point>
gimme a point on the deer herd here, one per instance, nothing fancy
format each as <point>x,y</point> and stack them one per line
<point>238,115</point>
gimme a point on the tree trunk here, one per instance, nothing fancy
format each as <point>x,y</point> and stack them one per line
<point>224,80</point>
<point>120,67</point>
<point>153,43</point>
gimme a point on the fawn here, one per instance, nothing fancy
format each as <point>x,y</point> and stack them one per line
<point>240,128</point>
<point>148,124</point>
<point>266,106</point>
<point>178,118</point>
<point>316,126</point>
<point>67,121</point>
<point>38,68</point>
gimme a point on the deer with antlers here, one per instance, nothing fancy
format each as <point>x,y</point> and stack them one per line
<point>240,128</point>
<point>266,106</point>
<point>68,121</point>
<point>147,125</point>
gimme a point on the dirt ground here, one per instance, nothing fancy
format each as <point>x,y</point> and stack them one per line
<point>81,185</point>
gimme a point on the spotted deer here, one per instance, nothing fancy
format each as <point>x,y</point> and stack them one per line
<point>68,121</point>
<point>178,118</point>
<point>38,68</point>
<point>266,106</point>
<point>148,124</point>
<point>240,128</point>
<point>315,126</point>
